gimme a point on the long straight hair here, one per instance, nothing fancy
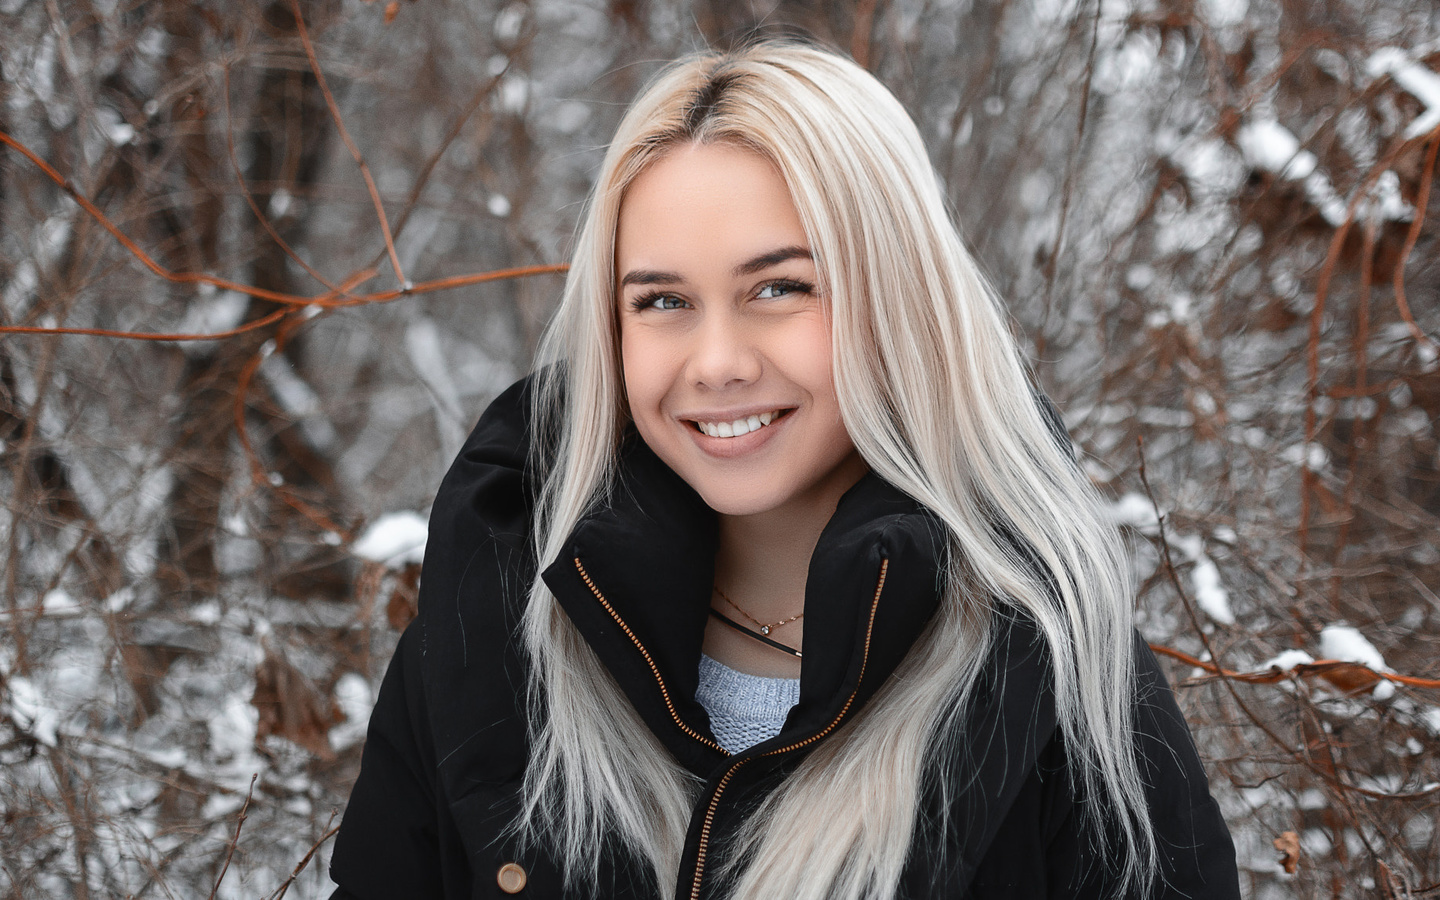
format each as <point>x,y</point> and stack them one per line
<point>936,397</point>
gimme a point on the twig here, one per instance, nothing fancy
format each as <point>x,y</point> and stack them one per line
<point>860,35</point>
<point>345,136</point>
<point>1422,203</point>
<point>323,302</point>
<point>314,848</point>
<point>180,277</point>
<point>1174,578</point>
<point>144,336</point>
<point>234,840</point>
<point>1319,667</point>
<point>260,216</point>
<point>324,299</point>
<point>1312,357</point>
<point>1052,265</point>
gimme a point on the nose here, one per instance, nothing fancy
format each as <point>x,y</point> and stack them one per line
<point>724,354</point>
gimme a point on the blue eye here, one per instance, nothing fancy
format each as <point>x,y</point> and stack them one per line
<point>657,300</point>
<point>776,289</point>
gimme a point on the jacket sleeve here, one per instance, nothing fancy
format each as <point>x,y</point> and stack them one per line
<point>390,840</point>
<point>1197,856</point>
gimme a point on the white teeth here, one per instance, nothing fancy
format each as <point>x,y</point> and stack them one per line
<point>737,427</point>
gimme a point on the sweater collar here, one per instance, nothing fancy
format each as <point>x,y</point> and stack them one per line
<point>636,576</point>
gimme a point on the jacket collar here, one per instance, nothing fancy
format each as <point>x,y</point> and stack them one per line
<point>636,578</point>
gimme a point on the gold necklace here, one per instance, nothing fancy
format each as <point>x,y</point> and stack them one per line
<point>764,629</point>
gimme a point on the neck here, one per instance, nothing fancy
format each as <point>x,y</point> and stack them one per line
<point>762,561</point>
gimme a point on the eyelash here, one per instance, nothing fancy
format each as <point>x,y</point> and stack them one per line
<point>788,285</point>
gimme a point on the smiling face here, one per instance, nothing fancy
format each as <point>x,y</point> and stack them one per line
<point>724,340</point>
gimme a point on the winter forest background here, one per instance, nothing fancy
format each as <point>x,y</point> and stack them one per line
<point>1212,220</point>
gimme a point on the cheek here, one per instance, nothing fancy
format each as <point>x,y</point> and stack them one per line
<point>810,364</point>
<point>643,372</point>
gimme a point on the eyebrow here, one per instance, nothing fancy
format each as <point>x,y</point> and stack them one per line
<point>749,267</point>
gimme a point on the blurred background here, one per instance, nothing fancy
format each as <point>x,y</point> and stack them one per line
<point>1211,220</point>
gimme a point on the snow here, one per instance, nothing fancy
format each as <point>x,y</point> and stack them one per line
<point>394,539</point>
<point>1270,146</point>
<point>509,23</point>
<point>1347,644</point>
<point>1287,660</point>
<point>513,94</point>
<point>212,312</point>
<point>1312,456</point>
<point>1222,13</point>
<point>352,693</point>
<point>1431,717</point>
<point>1420,81</point>
<point>1209,593</point>
<point>299,401</point>
<point>280,202</point>
<point>232,738</point>
<point>426,348</point>
<point>30,711</point>
<point>1136,511</point>
<point>115,129</point>
<point>59,603</point>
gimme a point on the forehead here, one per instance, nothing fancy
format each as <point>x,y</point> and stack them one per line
<point>705,203</point>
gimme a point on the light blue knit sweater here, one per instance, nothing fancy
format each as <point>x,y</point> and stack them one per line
<point>744,709</point>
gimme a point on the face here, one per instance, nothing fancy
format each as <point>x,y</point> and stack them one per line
<point>725,342</point>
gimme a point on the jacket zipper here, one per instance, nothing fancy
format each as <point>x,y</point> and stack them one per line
<point>654,670</point>
<point>704,843</point>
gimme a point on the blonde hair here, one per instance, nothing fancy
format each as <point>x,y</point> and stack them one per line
<point>936,397</point>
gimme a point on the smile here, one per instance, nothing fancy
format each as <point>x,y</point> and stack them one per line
<point>739,426</point>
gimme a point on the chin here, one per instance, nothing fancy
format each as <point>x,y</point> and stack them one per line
<point>729,502</point>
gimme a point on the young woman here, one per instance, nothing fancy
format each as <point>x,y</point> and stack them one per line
<point>777,580</point>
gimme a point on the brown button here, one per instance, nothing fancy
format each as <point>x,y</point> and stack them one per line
<point>512,878</point>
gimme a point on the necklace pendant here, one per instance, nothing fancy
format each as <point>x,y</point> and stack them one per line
<point>764,629</point>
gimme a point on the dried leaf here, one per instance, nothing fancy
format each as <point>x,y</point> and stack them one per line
<point>291,707</point>
<point>1288,843</point>
<point>1351,678</point>
<point>403,604</point>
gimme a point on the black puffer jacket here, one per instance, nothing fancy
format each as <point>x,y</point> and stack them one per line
<point>447,743</point>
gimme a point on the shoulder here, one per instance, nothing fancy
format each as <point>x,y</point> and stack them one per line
<point>1016,822</point>
<point>475,581</point>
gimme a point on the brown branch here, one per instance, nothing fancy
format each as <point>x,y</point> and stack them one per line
<point>260,216</point>
<point>860,35</point>
<point>258,473</point>
<point>235,839</point>
<point>1312,347</point>
<point>143,336</point>
<point>145,259</point>
<point>1285,746</point>
<point>1320,668</point>
<point>349,144</point>
<point>314,848</point>
<point>476,101</point>
<point>1422,203</point>
<point>325,299</point>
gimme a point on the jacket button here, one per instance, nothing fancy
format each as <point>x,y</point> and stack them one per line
<point>512,878</point>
